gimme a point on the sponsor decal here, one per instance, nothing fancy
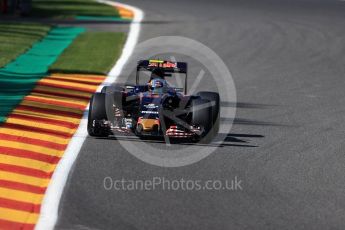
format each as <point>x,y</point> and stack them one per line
<point>150,112</point>
<point>162,64</point>
<point>151,106</point>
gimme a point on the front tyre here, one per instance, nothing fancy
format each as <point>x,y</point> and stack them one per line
<point>214,98</point>
<point>112,88</point>
<point>97,112</point>
<point>202,117</point>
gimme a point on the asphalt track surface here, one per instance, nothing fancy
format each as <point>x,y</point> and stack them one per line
<point>287,61</point>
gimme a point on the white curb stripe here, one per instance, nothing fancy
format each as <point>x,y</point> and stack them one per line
<point>51,200</point>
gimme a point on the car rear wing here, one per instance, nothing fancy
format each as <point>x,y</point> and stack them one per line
<point>166,66</point>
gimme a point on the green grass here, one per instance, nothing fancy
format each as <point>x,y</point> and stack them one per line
<point>19,77</point>
<point>15,39</point>
<point>71,8</point>
<point>91,52</point>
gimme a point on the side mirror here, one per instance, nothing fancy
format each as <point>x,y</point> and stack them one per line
<point>130,87</point>
<point>179,90</point>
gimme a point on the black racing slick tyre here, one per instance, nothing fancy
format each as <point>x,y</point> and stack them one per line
<point>214,98</point>
<point>112,88</point>
<point>97,111</point>
<point>202,116</point>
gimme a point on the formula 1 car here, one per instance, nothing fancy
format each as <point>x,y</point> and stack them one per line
<point>156,108</point>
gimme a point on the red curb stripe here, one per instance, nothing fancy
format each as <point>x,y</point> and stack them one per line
<point>65,101</point>
<point>39,130</point>
<point>18,205</point>
<point>81,81</point>
<point>66,87</point>
<point>25,171</point>
<point>32,141</point>
<point>90,77</point>
<point>49,111</point>
<point>9,225</point>
<point>54,102</point>
<point>50,121</point>
<point>62,94</point>
<point>22,187</point>
<point>29,155</point>
<point>69,99</point>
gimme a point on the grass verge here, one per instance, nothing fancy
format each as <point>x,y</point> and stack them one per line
<point>15,39</point>
<point>71,8</point>
<point>91,52</point>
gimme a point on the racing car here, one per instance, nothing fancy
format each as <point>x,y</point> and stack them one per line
<point>155,108</point>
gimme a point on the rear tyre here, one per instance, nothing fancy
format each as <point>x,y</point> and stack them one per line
<point>202,116</point>
<point>215,99</point>
<point>97,111</point>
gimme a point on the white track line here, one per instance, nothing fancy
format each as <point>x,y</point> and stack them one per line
<point>51,200</point>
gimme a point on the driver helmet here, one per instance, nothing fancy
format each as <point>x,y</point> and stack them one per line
<point>157,85</point>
